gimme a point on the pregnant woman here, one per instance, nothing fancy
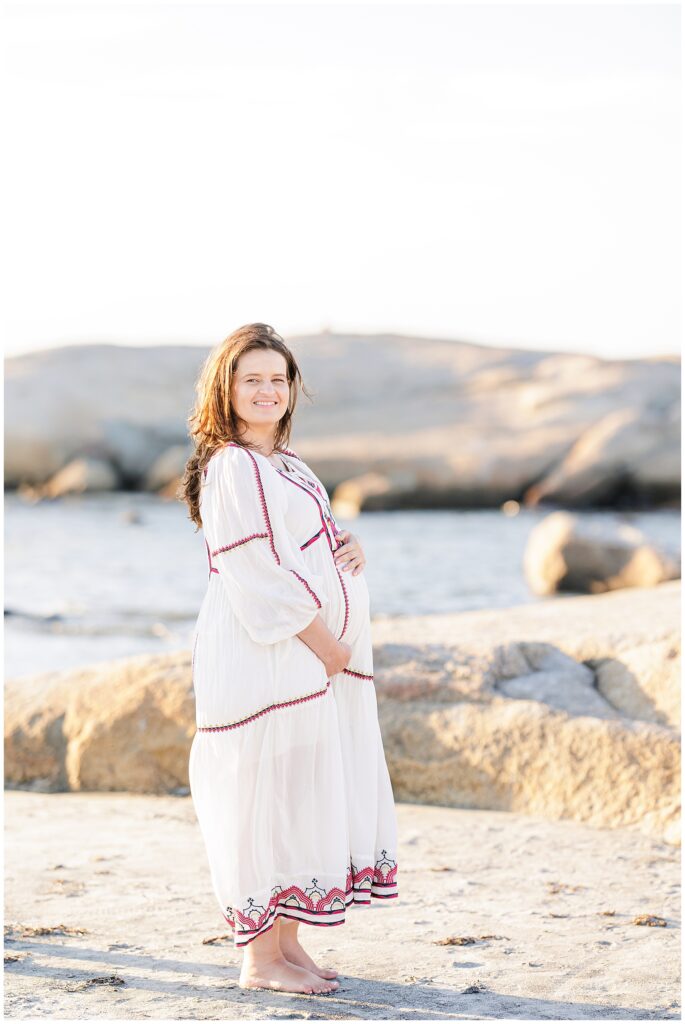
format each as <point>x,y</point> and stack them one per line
<point>287,769</point>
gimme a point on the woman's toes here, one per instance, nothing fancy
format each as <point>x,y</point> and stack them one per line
<point>326,986</point>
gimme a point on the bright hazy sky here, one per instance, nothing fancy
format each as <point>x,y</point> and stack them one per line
<point>503,174</point>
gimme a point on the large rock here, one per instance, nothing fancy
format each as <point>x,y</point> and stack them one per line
<point>123,404</point>
<point>564,709</point>
<point>640,442</point>
<point>120,725</point>
<point>564,552</point>
<point>569,708</point>
<point>168,468</point>
<point>429,422</point>
<point>80,476</point>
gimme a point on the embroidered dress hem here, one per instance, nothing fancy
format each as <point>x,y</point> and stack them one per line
<point>313,904</point>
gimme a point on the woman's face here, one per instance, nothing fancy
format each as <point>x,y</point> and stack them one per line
<point>260,390</point>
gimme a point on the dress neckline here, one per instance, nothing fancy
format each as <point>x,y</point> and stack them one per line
<point>284,464</point>
<point>287,470</point>
<point>290,471</point>
<point>234,444</point>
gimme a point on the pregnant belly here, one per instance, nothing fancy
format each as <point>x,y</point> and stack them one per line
<point>350,606</point>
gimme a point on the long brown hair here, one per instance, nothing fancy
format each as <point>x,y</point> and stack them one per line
<point>213,421</point>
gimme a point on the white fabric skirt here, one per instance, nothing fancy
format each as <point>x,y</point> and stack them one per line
<point>274,819</point>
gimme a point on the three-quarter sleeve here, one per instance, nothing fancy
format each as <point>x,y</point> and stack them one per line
<point>272,591</point>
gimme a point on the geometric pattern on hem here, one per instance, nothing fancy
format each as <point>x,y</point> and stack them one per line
<point>315,905</point>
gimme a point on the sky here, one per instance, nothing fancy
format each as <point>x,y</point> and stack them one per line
<point>508,175</point>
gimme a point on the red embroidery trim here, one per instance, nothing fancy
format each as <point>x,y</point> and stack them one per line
<point>236,543</point>
<point>312,539</point>
<point>357,675</point>
<point>323,528</point>
<point>264,711</point>
<point>307,587</point>
<point>209,558</point>
<point>347,603</point>
<point>314,499</point>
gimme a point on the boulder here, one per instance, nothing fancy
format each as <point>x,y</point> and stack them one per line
<point>119,725</point>
<point>372,490</point>
<point>569,708</point>
<point>639,445</point>
<point>565,553</point>
<point>124,404</point>
<point>82,475</point>
<point>644,683</point>
<point>166,471</point>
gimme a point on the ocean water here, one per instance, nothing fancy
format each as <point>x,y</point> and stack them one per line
<point>97,577</point>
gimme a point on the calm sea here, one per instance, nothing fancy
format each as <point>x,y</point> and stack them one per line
<point>106,576</point>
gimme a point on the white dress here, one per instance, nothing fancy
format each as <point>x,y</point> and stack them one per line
<point>287,770</point>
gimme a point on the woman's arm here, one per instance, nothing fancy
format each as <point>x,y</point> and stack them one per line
<point>271,589</point>
<point>333,653</point>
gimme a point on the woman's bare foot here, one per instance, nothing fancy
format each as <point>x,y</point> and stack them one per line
<point>295,954</point>
<point>283,976</point>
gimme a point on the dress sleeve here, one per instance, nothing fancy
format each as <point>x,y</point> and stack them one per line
<point>272,591</point>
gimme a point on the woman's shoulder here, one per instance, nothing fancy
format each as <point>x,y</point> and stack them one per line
<point>232,453</point>
<point>238,461</point>
<point>235,451</point>
<point>232,460</point>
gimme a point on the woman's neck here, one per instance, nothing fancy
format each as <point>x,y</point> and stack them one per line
<point>264,442</point>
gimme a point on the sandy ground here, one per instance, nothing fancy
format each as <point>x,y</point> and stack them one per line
<point>546,911</point>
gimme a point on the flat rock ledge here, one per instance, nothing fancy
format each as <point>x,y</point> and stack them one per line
<point>564,709</point>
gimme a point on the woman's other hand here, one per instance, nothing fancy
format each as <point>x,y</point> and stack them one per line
<point>339,659</point>
<point>334,653</point>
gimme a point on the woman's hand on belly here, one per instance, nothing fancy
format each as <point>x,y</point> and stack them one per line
<point>350,552</point>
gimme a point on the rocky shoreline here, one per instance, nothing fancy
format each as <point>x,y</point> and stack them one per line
<point>567,709</point>
<point>431,423</point>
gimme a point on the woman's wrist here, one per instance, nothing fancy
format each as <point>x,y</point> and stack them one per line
<point>318,636</point>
